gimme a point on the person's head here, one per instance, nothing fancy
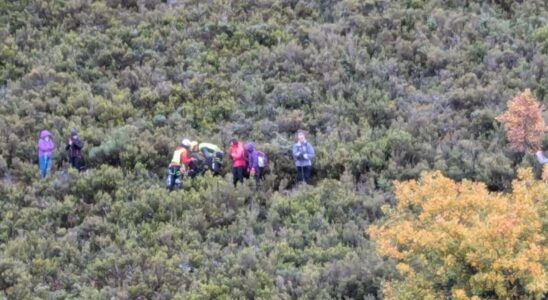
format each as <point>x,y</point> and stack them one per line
<point>73,132</point>
<point>250,147</point>
<point>186,143</point>
<point>233,142</point>
<point>46,135</point>
<point>219,155</point>
<point>194,146</point>
<point>301,136</point>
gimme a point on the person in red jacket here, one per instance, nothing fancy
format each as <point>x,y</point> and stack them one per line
<point>239,161</point>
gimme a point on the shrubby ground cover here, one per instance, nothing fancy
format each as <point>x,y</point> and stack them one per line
<point>386,90</point>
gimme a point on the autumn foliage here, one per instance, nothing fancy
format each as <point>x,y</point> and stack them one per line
<point>523,122</point>
<point>386,90</point>
<point>458,240</point>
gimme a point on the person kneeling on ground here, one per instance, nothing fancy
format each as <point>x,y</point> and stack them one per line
<point>196,167</point>
<point>213,156</point>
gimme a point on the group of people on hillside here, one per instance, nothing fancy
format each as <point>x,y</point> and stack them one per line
<point>186,161</point>
<point>192,158</point>
<point>247,160</point>
<point>46,148</point>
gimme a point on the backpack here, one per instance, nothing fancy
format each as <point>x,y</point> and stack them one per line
<point>262,160</point>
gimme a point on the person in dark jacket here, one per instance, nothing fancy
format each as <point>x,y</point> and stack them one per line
<point>74,149</point>
<point>303,154</point>
<point>46,146</point>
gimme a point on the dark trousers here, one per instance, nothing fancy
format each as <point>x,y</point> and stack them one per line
<point>259,175</point>
<point>214,165</point>
<point>238,175</point>
<point>304,174</point>
<point>76,162</point>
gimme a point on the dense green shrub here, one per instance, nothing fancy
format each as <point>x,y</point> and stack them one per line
<point>385,89</point>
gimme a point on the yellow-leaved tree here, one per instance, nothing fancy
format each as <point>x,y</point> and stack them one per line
<point>457,240</point>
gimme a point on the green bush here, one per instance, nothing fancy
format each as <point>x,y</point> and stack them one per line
<point>385,90</point>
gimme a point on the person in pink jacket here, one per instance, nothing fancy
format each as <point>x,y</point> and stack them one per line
<point>46,146</point>
<point>239,161</point>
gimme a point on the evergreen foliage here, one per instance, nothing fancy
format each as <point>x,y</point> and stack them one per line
<point>385,89</point>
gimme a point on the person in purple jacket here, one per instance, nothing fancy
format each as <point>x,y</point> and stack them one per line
<point>46,146</point>
<point>256,162</point>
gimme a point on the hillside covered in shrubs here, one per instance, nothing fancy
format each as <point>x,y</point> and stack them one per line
<point>386,90</point>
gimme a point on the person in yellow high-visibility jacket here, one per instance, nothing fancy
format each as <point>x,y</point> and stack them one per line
<point>180,162</point>
<point>181,156</point>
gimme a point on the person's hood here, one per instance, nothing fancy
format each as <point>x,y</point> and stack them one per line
<point>44,134</point>
<point>250,147</point>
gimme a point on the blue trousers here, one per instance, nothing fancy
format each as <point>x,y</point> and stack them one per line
<point>45,165</point>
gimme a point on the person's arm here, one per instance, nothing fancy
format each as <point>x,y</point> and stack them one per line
<point>249,161</point>
<point>541,158</point>
<point>206,153</point>
<point>232,153</point>
<point>185,158</point>
<point>254,161</point>
<point>296,152</point>
<point>310,151</point>
<point>78,144</point>
<point>51,147</point>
